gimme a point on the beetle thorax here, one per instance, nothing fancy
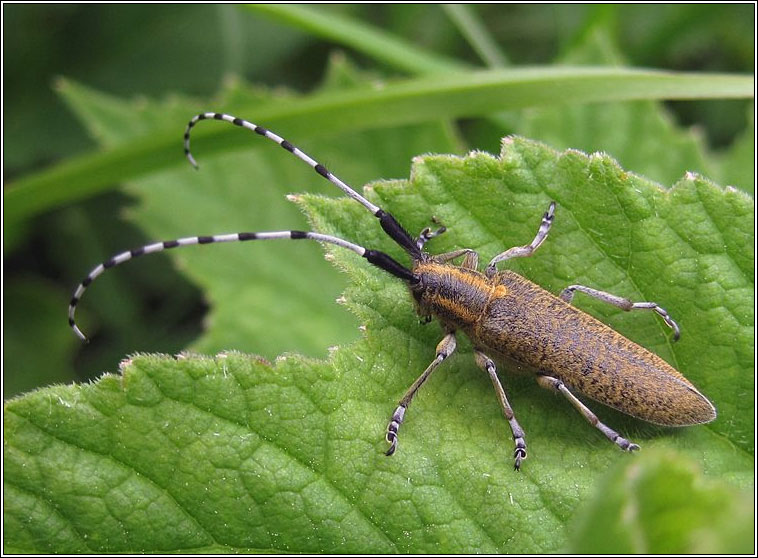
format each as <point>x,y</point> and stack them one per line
<point>455,295</point>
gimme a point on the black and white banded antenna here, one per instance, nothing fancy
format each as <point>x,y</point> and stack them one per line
<point>387,221</point>
<point>375,257</point>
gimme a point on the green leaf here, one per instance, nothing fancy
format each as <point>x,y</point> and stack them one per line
<point>237,455</point>
<point>662,504</point>
<point>687,248</point>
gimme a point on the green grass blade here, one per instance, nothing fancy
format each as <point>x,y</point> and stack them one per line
<point>376,43</point>
<point>473,30</point>
<point>404,102</point>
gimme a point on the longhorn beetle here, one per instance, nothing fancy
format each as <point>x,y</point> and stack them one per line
<point>506,317</point>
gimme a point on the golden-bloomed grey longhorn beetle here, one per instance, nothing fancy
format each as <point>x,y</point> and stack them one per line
<point>506,317</point>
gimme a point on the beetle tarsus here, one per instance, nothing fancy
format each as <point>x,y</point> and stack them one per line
<point>392,439</point>
<point>519,455</point>
<point>392,428</point>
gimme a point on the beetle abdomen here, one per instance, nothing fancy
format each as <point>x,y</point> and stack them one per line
<point>528,324</point>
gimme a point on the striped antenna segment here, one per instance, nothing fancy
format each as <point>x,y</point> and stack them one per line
<point>390,225</point>
<point>375,257</point>
<point>318,167</point>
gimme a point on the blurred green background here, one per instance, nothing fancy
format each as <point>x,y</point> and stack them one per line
<point>188,52</point>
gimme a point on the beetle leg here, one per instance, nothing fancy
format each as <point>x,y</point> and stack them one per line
<point>528,250</point>
<point>548,382</point>
<point>470,260</point>
<point>485,363</point>
<point>444,349</point>
<point>568,295</point>
<point>427,234</point>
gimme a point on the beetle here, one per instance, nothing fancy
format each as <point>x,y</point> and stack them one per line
<point>507,317</point>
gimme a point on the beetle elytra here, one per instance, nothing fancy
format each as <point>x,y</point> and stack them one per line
<point>506,317</point>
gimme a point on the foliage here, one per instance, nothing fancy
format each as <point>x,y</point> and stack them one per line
<point>232,453</point>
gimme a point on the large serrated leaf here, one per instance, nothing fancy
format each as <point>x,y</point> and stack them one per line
<point>237,455</point>
<point>614,231</point>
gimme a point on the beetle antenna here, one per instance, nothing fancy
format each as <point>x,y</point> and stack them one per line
<point>390,225</point>
<point>379,259</point>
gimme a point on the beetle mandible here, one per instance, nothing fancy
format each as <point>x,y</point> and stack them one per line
<point>506,317</point>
